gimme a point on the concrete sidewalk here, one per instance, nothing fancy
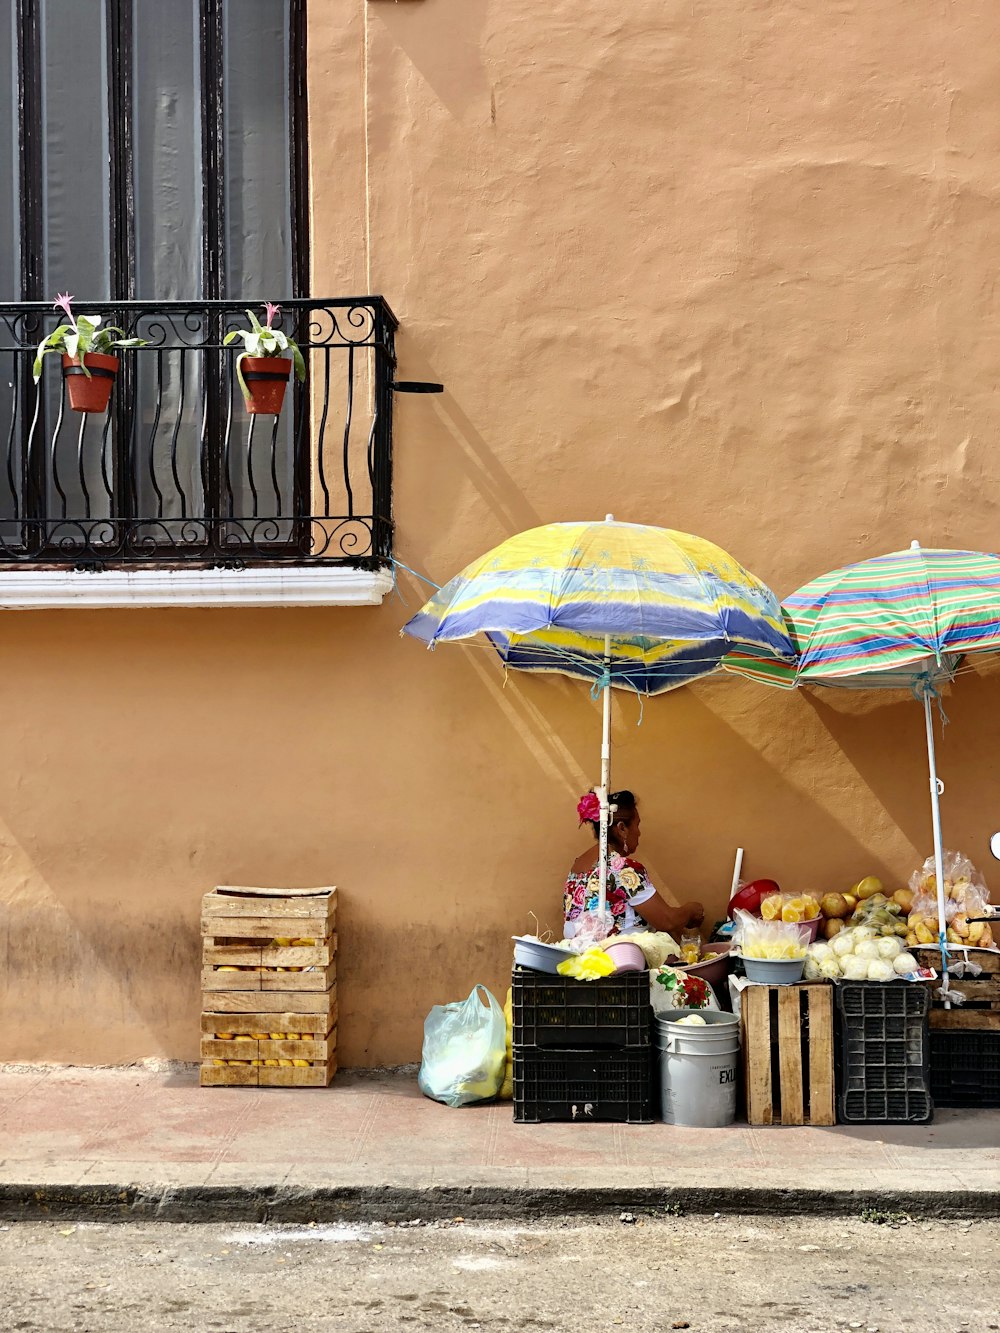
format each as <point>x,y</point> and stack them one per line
<point>137,1142</point>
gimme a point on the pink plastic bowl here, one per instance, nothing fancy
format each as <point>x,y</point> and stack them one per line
<point>626,956</point>
<point>814,926</point>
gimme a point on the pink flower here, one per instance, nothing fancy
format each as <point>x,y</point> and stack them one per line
<point>64,303</point>
<point>588,808</point>
<point>272,310</point>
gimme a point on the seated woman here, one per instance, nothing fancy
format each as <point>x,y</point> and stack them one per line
<point>632,900</point>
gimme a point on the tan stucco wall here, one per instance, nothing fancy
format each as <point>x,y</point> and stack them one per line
<point>726,268</point>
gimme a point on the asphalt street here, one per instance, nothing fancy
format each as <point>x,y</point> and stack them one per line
<point>803,1275</point>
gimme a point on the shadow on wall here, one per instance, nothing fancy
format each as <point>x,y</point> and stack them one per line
<point>444,42</point>
<point>883,736</point>
<point>460,457</point>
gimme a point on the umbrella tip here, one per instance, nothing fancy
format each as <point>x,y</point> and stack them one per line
<point>914,546</point>
<point>609,518</point>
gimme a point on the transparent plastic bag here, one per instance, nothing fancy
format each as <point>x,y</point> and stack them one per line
<point>465,1050</point>
<point>965,896</point>
<point>756,938</point>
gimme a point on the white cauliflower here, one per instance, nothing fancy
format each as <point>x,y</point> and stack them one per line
<point>903,963</point>
<point>890,947</point>
<point>866,949</point>
<point>856,969</point>
<point>880,970</point>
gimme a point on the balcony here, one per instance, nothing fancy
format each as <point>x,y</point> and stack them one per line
<point>176,476</point>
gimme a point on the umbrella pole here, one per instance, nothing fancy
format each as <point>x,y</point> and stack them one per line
<point>602,793</point>
<point>937,787</point>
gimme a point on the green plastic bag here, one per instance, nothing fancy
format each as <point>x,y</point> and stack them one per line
<point>465,1050</point>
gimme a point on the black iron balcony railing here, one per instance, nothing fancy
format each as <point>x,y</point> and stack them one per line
<point>176,471</point>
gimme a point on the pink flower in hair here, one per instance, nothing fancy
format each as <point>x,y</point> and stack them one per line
<point>588,808</point>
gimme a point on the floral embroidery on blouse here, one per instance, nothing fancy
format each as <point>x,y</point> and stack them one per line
<point>628,884</point>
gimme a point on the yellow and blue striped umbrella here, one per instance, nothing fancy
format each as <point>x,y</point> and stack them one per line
<point>673,605</point>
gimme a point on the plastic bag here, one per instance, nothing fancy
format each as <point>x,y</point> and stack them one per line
<point>965,895</point>
<point>464,1054</point>
<point>756,938</point>
<point>789,907</point>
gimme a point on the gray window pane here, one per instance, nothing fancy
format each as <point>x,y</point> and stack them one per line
<point>258,151</point>
<point>167,150</point>
<point>167,137</point>
<point>75,148</point>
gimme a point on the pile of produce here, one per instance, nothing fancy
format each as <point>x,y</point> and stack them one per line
<point>771,940</point>
<point>966,895</point>
<point>859,953</point>
<point>789,907</point>
<point>866,904</point>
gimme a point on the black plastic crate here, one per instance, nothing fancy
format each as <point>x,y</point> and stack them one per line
<point>884,1061</point>
<point>583,1086</point>
<point>554,1011</point>
<point>965,1067</point>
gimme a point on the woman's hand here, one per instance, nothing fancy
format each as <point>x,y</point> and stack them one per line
<point>695,913</point>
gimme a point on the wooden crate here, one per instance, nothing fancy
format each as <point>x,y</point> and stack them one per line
<point>239,928</point>
<point>788,1054</point>
<point>981,1009</point>
<point>238,914</point>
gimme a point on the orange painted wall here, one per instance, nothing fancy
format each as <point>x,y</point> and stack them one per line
<point>728,269</point>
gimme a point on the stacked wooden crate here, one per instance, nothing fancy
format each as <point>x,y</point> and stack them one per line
<point>269,988</point>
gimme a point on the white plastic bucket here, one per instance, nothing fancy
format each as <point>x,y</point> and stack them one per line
<point>699,1067</point>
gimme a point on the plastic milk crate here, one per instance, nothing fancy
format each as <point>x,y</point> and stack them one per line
<point>884,1074</point>
<point>594,1085</point>
<point>269,988</point>
<point>553,1011</point>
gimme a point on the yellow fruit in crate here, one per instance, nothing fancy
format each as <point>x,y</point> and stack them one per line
<point>271,1064</point>
<point>976,931</point>
<point>223,1036</point>
<point>277,1036</point>
<point>904,899</point>
<point>911,939</point>
<point>285,1064</point>
<point>255,1064</point>
<point>260,1036</point>
<point>281,942</point>
<point>243,1036</point>
<point>237,1062</point>
<point>770,908</point>
<point>953,937</point>
<point>303,944</point>
<point>868,887</point>
<point>790,912</point>
<point>301,1064</point>
<point>227,969</point>
<point>218,1062</point>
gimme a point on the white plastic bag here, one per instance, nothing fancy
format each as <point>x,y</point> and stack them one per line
<point>465,1051</point>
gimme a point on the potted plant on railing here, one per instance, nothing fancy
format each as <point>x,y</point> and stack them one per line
<point>87,368</point>
<point>262,374</point>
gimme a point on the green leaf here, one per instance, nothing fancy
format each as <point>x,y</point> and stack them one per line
<point>279,339</point>
<point>239,374</point>
<point>72,344</point>
<point>232,336</point>
<point>297,360</point>
<point>255,322</point>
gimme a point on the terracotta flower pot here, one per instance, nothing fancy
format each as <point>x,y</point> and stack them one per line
<point>266,378</point>
<point>93,394</point>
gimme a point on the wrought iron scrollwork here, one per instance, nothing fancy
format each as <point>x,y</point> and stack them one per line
<point>177,471</point>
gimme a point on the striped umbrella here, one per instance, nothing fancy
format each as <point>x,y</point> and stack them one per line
<point>618,604</point>
<point>899,621</point>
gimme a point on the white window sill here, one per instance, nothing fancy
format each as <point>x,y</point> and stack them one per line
<point>71,589</point>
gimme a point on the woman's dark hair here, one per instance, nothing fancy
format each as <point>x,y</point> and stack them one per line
<point>625,804</point>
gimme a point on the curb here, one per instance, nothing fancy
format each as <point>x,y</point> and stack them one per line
<point>385,1202</point>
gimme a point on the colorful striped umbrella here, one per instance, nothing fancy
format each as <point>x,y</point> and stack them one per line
<point>899,621</point>
<point>618,604</point>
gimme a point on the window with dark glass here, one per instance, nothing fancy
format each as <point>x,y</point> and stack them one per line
<point>150,151</point>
